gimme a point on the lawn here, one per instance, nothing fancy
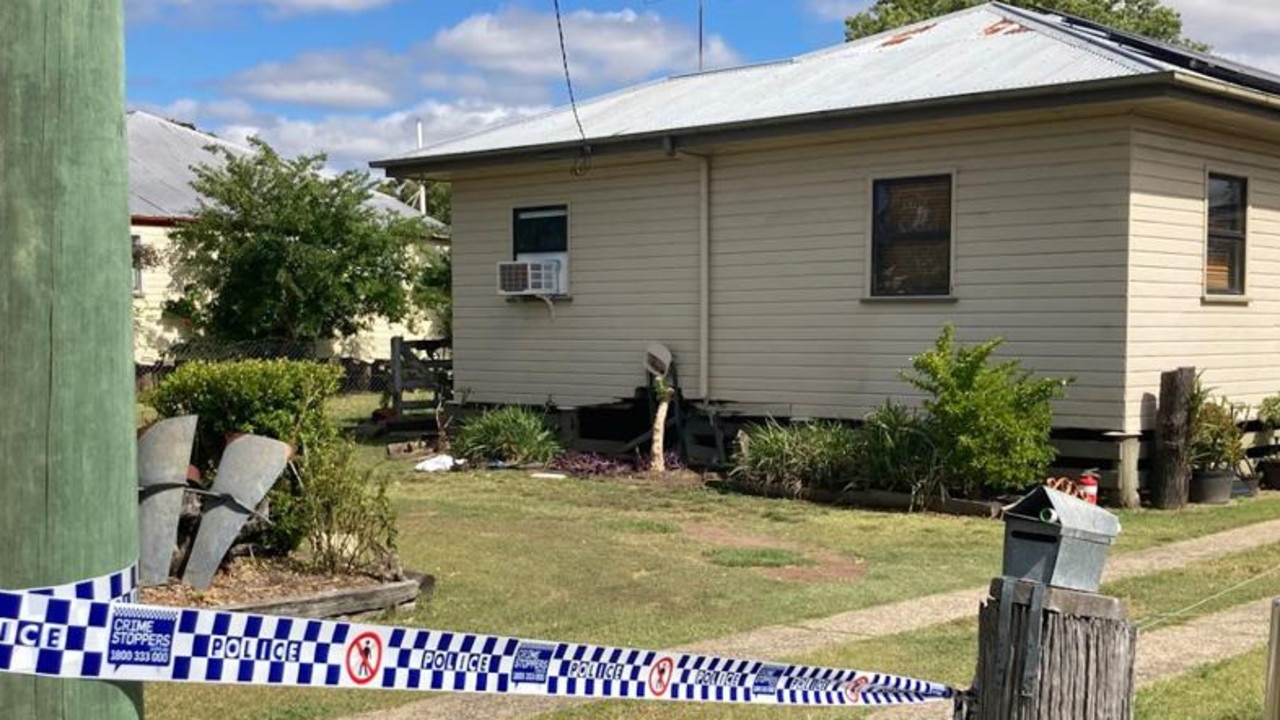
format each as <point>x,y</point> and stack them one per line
<point>654,565</point>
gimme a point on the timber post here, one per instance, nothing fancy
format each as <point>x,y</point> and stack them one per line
<point>1171,463</point>
<point>66,365</point>
<point>1053,654</point>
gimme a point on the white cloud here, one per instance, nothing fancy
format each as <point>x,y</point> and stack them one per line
<point>603,47</point>
<point>350,141</point>
<point>509,57</point>
<point>1245,30</point>
<point>487,69</point>
<point>364,80</point>
<point>836,9</point>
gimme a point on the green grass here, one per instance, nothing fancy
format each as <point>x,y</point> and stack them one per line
<point>610,562</point>
<point>756,557</point>
<point>1229,690</point>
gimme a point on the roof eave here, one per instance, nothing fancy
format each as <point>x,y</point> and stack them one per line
<point>1139,87</point>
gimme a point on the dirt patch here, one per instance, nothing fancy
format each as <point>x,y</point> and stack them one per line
<point>248,580</point>
<point>827,566</point>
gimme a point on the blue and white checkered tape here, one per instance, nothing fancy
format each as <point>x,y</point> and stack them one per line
<point>94,630</point>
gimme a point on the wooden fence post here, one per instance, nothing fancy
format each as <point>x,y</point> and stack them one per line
<point>66,364</point>
<point>1053,655</point>
<point>1171,463</point>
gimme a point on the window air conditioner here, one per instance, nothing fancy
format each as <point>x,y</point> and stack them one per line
<point>522,277</point>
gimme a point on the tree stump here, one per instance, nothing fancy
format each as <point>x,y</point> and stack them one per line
<point>1171,464</point>
<point>1073,659</point>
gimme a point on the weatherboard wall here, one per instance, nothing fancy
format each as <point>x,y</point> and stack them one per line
<point>1039,259</point>
<point>1040,241</point>
<point>633,277</point>
<point>1171,322</point>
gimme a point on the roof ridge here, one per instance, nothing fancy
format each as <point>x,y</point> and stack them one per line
<point>184,128</point>
<point>1080,40</point>
<point>891,32</point>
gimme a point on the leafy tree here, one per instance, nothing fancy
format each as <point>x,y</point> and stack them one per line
<point>433,289</point>
<point>1151,18</point>
<point>280,250</point>
<point>439,196</point>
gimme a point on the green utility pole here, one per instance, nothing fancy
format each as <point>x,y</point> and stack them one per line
<point>67,476</point>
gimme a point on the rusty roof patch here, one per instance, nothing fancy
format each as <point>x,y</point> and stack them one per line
<point>905,36</point>
<point>1005,27</point>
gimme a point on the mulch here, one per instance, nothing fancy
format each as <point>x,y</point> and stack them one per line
<point>254,579</point>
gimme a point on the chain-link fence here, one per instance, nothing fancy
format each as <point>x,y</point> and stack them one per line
<point>360,375</point>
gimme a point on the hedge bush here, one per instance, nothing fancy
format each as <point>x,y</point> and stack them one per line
<point>792,458</point>
<point>281,399</point>
<point>512,435</point>
<point>990,421</point>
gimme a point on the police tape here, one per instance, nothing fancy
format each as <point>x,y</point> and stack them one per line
<point>94,630</point>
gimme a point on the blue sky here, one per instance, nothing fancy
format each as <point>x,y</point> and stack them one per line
<point>352,77</point>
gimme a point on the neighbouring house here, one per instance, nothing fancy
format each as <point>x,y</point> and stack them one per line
<point>161,155</point>
<point>795,231</point>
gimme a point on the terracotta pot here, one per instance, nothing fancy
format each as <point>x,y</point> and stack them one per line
<point>1212,487</point>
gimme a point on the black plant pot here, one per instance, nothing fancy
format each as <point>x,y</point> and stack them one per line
<point>1212,487</point>
<point>1270,474</point>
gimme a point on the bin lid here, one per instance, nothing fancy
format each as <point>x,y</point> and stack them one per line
<point>1071,514</point>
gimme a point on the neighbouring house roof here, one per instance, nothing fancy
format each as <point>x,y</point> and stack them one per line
<point>161,155</point>
<point>982,53</point>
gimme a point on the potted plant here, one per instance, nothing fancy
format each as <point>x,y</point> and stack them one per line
<point>1269,464</point>
<point>1216,451</point>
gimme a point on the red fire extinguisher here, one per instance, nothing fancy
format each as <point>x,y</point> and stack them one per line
<point>1088,484</point>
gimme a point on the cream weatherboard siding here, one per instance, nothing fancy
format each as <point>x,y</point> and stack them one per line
<point>1040,236</point>
<point>1170,323</point>
<point>633,276</point>
<point>154,332</point>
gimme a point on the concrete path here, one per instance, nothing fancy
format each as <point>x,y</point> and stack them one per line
<point>1167,653</point>
<point>781,641</point>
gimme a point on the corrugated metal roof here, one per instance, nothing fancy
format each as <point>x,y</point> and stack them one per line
<point>985,49</point>
<point>161,155</point>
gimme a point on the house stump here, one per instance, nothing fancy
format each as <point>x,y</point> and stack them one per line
<point>1053,655</point>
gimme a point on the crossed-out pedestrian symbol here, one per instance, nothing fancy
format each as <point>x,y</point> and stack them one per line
<point>364,658</point>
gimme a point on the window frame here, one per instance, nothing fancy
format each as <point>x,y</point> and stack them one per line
<point>516,210</point>
<point>566,267</point>
<point>869,276</point>
<point>1241,294</point>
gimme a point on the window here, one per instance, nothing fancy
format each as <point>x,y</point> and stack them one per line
<point>541,230</point>
<point>911,237</point>
<point>1225,255</point>
<point>136,246</point>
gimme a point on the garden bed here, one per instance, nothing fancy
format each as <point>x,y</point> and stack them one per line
<point>285,587</point>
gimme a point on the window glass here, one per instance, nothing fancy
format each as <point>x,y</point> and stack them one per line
<point>542,230</point>
<point>911,237</point>
<point>1228,217</point>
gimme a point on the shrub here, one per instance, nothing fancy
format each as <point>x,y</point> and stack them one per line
<point>990,421</point>
<point>897,452</point>
<point>282,399</point>
<point>1269,413</point>
<point>347,516</point>
<point>512,435</point>
<point>793,458</point>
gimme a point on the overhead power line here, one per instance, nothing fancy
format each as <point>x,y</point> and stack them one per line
<point>568,79</point>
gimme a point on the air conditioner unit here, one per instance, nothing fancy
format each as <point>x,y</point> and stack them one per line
<point>523,277</point>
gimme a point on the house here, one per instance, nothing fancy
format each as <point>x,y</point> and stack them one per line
<point>161,155</point>
<point>795,231</point>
